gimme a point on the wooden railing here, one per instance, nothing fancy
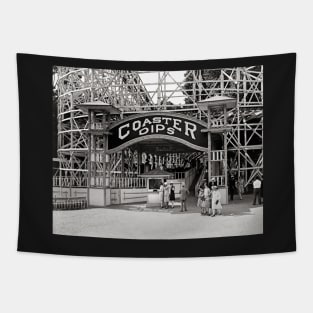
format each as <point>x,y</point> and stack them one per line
<point>179,175</point>
<point>96,126</point>
<point>128,182</point>
<point>217,155</point>
<point>116,181</point>
<point>200,179</point>
<point>63,181</point>
<point>220,180</point>
<point>190,176</point>
<point>69,203</point>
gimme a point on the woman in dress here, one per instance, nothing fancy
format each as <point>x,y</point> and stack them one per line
<point>240,187</point>
<point>166,195</point>
<point>161,195</point>
<point>207,199</point>
<point>172,195</point>
<point>216,201</point>
<point>200,195</point>
<point>201,200</point>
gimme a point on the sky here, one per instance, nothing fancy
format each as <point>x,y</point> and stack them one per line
<point>151,82</point>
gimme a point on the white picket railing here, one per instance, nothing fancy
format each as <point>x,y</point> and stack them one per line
<point>179,175</point>
<point>220,180</point>
<point>128,182</point>
<point>63,181</point>
<point>69,203</point>
<point>116,181</point>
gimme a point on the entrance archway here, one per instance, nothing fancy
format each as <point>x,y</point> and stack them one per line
<point>150,126</point>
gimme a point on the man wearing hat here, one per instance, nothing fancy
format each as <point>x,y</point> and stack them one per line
<point>212,183</point>
<point>183,198</point>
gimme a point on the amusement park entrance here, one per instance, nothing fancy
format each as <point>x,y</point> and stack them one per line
<point>128,157</point>
<point>114,129</point>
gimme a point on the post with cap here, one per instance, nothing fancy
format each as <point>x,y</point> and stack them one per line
<point>208,105</point>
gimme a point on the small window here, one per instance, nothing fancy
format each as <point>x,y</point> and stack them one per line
<point>154,183</point>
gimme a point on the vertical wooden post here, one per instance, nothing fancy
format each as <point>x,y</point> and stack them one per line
<point>89,159</point>
<point>238,119</point>
<point>245,143</point>
<point>138,161</point>
<point>225,153</point>
<point>104,123</point>
<point>72,145</point>
<point>209,144</point>
<point>245,124</point>
<point>122,164</point>
<point>108,155</point>
<point>159,90</point>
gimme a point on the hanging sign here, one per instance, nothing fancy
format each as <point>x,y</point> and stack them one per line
<point>179,127</point>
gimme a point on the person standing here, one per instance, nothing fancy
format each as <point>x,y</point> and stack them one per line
<point>216,202</point>
<point>240,187</point>
<point>257,191</point>
<point>261,192</point>
<point>212,183</point>
<point>161,195</point>
<point>207,199</point>
<point>183,198</point>
<point>172,195</point>
<point>202,202</point>
<point>166,195</point>
<point>200,195</point>
<point>232,186</point>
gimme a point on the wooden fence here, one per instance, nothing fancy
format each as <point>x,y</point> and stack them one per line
<point>69,203</point>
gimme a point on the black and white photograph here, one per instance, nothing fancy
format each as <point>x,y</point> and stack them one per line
<point>157,154</point>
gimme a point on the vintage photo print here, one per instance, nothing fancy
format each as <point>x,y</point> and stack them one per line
<point>157,154</point>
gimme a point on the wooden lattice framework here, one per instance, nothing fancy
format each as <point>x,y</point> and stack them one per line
<point>131,94</point>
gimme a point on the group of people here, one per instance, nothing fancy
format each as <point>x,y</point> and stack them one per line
<point>209,196</point>
<point>236,185</point>
<point>209,199</point>
<point>167,196</point>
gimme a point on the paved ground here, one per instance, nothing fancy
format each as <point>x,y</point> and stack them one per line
<point>135,222</point>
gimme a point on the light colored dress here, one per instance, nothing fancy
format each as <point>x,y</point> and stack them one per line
<point>207,196</point>
<point>200,196</point>
<point>166,194</point>
<point>216,196</point>
<point>161,195</point>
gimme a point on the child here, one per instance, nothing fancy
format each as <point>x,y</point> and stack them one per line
<point>201,200</point>
<point>216,201</point>
<point>207,198</point>
<point>200,195</point>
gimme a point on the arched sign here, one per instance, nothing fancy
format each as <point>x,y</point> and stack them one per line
<point>179,127</point>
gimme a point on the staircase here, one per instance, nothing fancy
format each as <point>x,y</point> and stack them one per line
<point>195,181</point>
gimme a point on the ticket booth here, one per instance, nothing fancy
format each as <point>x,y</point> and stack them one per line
<point>154,179</point>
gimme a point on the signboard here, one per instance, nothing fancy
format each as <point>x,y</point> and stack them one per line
<point>180,128</point>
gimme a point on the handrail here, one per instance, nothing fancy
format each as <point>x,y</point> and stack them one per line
<point>128,182</point>
<point>69,203</point>
<point>63,181</point>
<point>199,180</point>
